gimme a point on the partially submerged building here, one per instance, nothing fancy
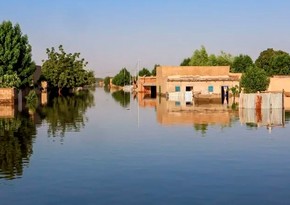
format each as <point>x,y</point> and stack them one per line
<point>186,82</point>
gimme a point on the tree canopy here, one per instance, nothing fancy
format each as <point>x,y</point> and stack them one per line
<point>274,62</point>
<point>16,65</point>
<point>201,58</point>
<point>122,78</point>
<point>241,63</point>
<point>254,79</point>
<point>144,72</point>
<point>66,70</point>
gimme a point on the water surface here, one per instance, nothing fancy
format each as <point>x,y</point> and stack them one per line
<point>108,148</point>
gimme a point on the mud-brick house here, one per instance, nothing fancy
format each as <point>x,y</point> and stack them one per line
<point>147,85</point>
<point>193,81</point>
<point>280,83</point>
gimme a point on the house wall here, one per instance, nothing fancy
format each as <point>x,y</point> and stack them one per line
<point>7,95</point>
<point>201,87</point>
<point>162,73</point>
<point>278,83</point>
<point>143,81</point>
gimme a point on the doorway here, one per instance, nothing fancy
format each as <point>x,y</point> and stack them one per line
<point>225,94</point>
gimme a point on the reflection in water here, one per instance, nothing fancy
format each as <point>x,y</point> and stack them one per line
<point>200,115</point>
<point>64,114</point>
<point>287,116</point>
<point>201,127</point>
<point>123,98</point>
<point>262,117</point>
<point>16,137</point>
<point>107,89</point>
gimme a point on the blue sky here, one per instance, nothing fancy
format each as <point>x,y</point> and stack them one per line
<point>111,34</point>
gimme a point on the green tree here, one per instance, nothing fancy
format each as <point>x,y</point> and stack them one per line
<point>224,59</point>
<point>153,72</point>
<point>144,72</point>
<point>122,78</point>
<point>199,57</point>
<point>212,60</point>
<point>280,64</point>
<point>9,81</point>
<point>185,62</point>
<point>265,59</point>
<point>15,56</point>
<point>241,63</point>
<point>65,70</point>
<point>254,79</point>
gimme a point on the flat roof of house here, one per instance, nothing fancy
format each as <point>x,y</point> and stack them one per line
<point>197,78</point>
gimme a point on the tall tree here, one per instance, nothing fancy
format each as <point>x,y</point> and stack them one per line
<point>199,57</point>
<point>15,56</point>
<point>265,59</point>
<point>241,63</point>
<point>122,78</point>
<point>185,62</point>
<point>144,72</point>
<point>280,64</point>
<point>224,59</point>
<point>65,70</point>
<point>254,79</point>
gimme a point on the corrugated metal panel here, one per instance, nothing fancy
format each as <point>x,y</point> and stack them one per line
<point>261,100</point>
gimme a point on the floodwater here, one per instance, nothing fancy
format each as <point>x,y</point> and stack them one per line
<point>103,147</point>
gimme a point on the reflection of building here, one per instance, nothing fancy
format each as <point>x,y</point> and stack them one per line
<point>262,117</point>
<point>7,111</point>
<point>175,112</point>
<point>145,100</point>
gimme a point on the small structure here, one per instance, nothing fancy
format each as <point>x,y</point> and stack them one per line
<point>267,100</point>
<point>147,84</point>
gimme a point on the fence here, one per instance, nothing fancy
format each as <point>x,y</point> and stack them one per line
<point>262,100</point>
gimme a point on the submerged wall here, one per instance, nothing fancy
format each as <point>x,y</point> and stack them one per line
<point>7,95</point>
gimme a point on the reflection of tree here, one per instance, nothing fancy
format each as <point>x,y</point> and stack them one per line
<point>122,97</point>
<point>16,137</point>
<point>65,114</point>
<point>201,127</point>
<point>287,116</point>
<point>251,124</point>
<point>106,89</point>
